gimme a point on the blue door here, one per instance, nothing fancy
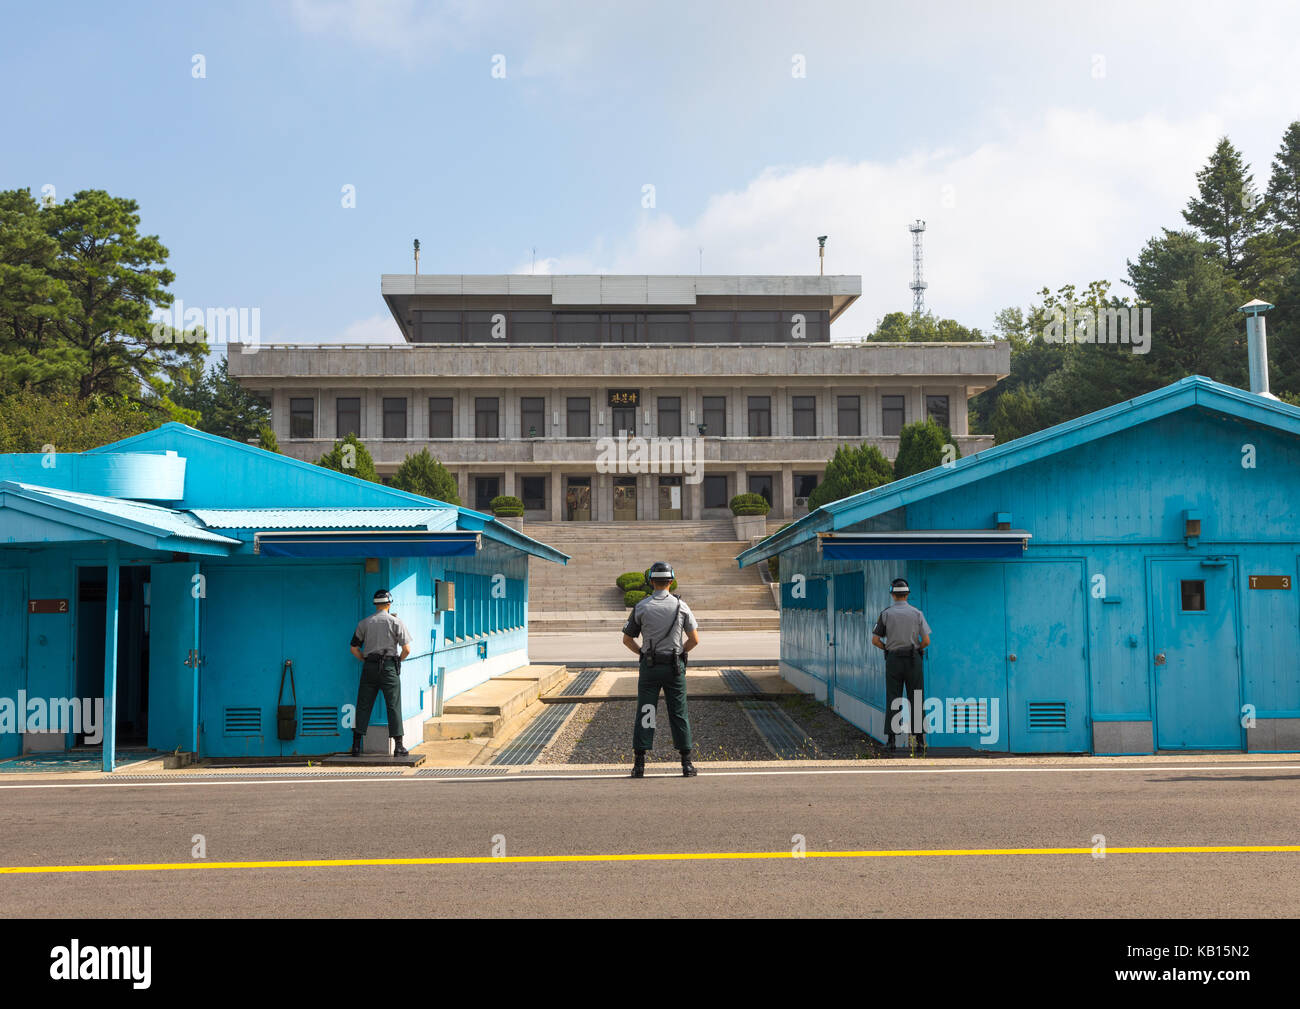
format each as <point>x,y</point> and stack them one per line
<point>1047,662</point>
<point>13,631</point>
<point>174,655</point>
<point>965,665</point>
<point>1194,654</point>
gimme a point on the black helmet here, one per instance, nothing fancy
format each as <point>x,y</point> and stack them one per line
<point>383,596</point>
<point>899,587</point>
<point>661,569</point>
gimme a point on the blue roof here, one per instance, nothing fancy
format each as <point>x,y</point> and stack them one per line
<point>1192,392</point>
<point>432,519</point>
<point>132,521</point>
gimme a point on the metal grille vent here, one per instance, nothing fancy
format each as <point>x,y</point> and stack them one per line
<point>243,721</point>
<point>319,721</point>
<point>1049,715</point>
<point>968,715</point>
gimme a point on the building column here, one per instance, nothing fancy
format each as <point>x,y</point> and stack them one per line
<point>693,504</point>
<point>557,495</point>
<point>110,658</point>
<point>508,482</point>
<point>787,492</point>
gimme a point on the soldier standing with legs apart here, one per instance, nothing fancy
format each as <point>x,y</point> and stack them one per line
<point>906,637</point>
<point>381,642</point>
<point>668,630</point>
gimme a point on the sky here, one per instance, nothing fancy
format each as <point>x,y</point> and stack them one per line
<point>287,152</point>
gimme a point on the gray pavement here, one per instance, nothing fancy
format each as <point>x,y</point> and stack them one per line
<point>930,805</point>
<point>720,647</point>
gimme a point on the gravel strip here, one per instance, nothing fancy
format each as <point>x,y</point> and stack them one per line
<point>601,733</point>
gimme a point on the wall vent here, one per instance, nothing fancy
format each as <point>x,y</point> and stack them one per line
<point>1049,716</point>
<point>319,721</point>
<point>243,721</point>
<point>967,715</point>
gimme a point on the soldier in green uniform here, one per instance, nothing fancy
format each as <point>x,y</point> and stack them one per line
<point>906,637</point>
<point>381,642</point>
<point>668,630</point>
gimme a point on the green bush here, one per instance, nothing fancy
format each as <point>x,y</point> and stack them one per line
<point>630,580</point>
<point>921,446</point>
<point>506,506</point>
<point>750,504</point>
<point>633,596</point>
<point>774,562</point>
<point>851,471</point>
<point>422,474</point>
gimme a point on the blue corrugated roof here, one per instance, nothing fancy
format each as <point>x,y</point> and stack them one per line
<point>152,519</point>
<point>433,519</point>
<point>1193,391</point>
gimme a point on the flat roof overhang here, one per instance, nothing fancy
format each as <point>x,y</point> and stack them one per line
<point>366,543</point>
<point>925,544</point>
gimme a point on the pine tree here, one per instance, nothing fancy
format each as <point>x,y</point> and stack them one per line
<point>1227,209</point>
<point>350,456</point>
<point>1283,198</point>
<point>422,474</point>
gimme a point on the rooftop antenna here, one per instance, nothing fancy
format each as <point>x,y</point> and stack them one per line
<point>533,268</point>
<point>417,257</point>
<point>918,285</point>
<point>821,255</point>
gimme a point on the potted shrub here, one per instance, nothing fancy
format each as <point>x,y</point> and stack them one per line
<point>749,513</point>
<point>508,509</point>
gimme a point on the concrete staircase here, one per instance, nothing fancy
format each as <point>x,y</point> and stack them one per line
<point>582,595</point>
<point>495,704</point>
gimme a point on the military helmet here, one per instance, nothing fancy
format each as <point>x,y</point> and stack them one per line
<point>899,587</point>
<point>382,596</point>
<point>661,570</point>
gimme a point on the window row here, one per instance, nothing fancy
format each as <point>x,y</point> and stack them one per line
<point>717,491</point>
<point>577,416</point>
<point>619,327</point>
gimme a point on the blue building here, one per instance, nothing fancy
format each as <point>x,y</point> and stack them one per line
<point>1118,584</point>
<point>172,574</point>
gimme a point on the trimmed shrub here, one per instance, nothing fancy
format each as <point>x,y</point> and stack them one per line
<point>506,506</point>
<point>633,596</point>
<point>630,580</point>
<point>750,504</point>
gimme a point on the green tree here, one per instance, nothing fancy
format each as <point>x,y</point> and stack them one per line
<point>851,471</point>
<point>1227,209</point>
<point>267,440</point>
<point>1282,199</point>
<point>224,406</point>
<point>923,445</point>
<point>420,473</point>
<point>350,456</point>
<point>33,422</point>
<point>898,327</point>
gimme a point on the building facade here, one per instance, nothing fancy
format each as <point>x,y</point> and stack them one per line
<point>613,398</point>
<point>1122,583</point>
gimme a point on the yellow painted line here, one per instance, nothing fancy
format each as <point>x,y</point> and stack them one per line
<point>688,856</point>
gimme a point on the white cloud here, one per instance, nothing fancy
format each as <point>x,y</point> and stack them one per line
<point>1067,199</point>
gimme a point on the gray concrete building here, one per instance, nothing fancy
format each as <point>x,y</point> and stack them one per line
<point>608,398</point>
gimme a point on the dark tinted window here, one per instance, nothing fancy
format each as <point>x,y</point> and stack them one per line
<point>302,414</point>
<point>715,492</point>
<point>531,327</point>
<point>936,408</point>
<point>805,416</point>
<point>579,417</point>
<point>761,485</point>
<point>1193,593</point>
<point>715,415</point>
<point>440,417</point>
<point>668,327</point>
<point>347,416</point>
<point>532,417</point>
<point>804,484</point>
<point>439,327</point>
<point>480,327</point>
<point>849,412</point>
<point>532,491</point>
<point>760,416</point>
<point>487,415</point>
<point>714,327</point>
<point>624,419</point>
<point>891,415</point>
<point>395,417</point>
<point>759,327</point>
<point>578,327</point>
<point>670,416</point>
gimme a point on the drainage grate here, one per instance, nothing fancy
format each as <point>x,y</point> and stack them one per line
<point>1047,715</point>
<point>459,772</point>
<point>738,683</point>
<point>580,683</point>
<point>243,721</point>
<point>782,733</point>
<point>528,745</point>
<point>323,721</point>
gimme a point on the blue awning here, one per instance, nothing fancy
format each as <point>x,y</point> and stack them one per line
<point>367,543</point>
<point>925,544</point>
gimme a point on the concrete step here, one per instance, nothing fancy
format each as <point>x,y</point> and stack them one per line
<point>483,710</point>
<point>460,726</point>
<point>546,677</point>
<point>612,621</point>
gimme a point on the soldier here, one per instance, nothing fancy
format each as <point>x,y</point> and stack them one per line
<point>668,630</point>
<point>381,641</point>
<point>906,637</point>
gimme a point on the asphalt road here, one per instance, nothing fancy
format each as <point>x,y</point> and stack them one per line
<point>717,812</point>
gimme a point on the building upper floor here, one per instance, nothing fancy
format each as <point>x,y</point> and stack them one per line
<point>617,309</point>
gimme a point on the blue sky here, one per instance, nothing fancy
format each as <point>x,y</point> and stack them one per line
<point>1042,142</point>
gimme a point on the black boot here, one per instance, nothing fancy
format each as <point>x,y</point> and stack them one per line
<point>688,769</point>
<point>356,744</point>
<point>398,749</point>
<point>638,765</point>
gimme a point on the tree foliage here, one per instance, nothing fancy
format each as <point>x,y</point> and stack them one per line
<point>34,422</point>
<point>420,473</point>
<point>350,456</point>
<point>923,445</point>
<point>851,471</point>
